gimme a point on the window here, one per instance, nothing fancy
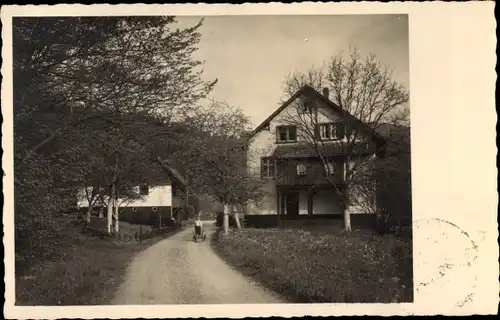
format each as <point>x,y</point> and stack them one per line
<point>330,167</point>
<point>286,134</point>
<point>267,168</point>
<point>330,131</point>
<point>327,131</point>
<point>144,188</point>
<point>301,169</point>
<point>272,168</point>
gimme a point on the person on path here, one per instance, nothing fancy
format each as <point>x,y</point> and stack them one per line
<point>197,226</point>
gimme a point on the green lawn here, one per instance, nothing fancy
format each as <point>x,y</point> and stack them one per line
<point>85,271</point>
<point>322,263</point>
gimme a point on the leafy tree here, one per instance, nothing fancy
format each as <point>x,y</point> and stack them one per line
<point>75,78</point>
<point>365,89</point>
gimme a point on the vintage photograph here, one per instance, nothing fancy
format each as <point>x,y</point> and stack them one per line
<point>238,159</point>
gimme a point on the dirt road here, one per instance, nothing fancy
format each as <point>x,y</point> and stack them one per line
<point>178,271</point>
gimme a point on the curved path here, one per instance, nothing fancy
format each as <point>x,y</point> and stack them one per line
<point>179,271</point>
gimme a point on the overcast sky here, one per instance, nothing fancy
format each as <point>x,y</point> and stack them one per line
<point>252,55</point>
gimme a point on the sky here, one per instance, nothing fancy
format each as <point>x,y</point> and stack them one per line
<point>252,55</point>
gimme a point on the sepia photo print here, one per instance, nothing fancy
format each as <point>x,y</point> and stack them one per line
<point>202,160</point>
<point>209,160</point>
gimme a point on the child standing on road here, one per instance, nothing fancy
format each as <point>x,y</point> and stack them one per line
<point>197,226</point>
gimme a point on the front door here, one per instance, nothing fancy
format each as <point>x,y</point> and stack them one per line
<point>292,203</point>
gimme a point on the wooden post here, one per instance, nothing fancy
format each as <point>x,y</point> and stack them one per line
<point>278,207</point>
<point>172,213</point>
<point>159,216</point>
<point>310,204</point>
<point>310,200</point>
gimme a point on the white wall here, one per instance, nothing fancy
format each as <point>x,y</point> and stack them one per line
<point>327,202</point>
<point>159,196</point>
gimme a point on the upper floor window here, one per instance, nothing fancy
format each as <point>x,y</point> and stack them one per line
<point>286,133</point>
<point>330,131</point>
<point>301,169</point>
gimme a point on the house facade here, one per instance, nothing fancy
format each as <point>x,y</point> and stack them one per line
<point>159,201</point>
<point>302,150</point>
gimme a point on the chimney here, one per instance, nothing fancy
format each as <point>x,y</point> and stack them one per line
<point>326,93</point>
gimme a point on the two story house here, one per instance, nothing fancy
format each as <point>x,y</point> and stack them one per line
<point>302,151</point>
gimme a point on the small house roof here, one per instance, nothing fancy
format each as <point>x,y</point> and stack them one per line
<point>172,171</point>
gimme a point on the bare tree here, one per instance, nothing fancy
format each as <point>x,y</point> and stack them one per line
<point>367,95</point>
<point>217,164</point>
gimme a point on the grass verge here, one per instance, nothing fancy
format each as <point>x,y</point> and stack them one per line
<point>318,264</point>
<point>85,271</point>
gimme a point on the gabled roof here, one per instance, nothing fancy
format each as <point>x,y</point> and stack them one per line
<point>177,175</point>
<point>331,104</point>
<point>172,171</point>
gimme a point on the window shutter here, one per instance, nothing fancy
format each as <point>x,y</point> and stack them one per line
<point>262,168</point>
<point>292,133</point>
<point>340,127</point>
<point>316,131</point>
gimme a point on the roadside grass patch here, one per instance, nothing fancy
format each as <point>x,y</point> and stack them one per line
<point>323,264</point>
<point>85,270</point>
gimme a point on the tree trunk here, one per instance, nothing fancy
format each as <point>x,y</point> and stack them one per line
<point>237,219</point>
<point>89,214</point>
<point>117,216</point>
<point>347,220</point>
<point>110,208</point>
<point>347,215</point>
<point>101,213</point>
<point>226,218</point>
<point>101,203</point>
<point>116,210</point>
